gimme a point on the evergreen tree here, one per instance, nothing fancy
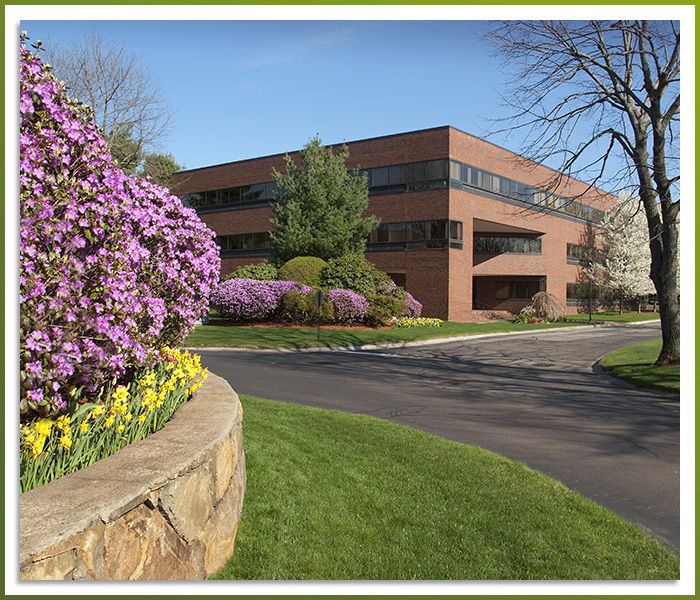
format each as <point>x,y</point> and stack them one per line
<point>319,206</point>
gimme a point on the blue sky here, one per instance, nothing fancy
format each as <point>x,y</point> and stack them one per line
<point>244,89</point>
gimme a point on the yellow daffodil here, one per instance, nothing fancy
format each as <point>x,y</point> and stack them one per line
<point>65,442</point>
<point>98,410</point>
<point>83,427</point>
<point>120,394</point>
<point>43,427</point>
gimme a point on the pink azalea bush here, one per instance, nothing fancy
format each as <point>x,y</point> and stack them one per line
<point>411,307</point>
<point>252,299</point>
<point>111,267</point>
<point>348,306</point>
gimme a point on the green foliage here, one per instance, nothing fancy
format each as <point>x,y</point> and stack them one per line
<point>382,309</point>
<point>160,168</point>
<point>303,269</point>
<point>354,272</point>
<point>301,308</point>
<point>319,206</point>
<point>263,271</point>
<point>126,151</point>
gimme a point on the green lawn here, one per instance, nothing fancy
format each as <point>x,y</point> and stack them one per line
<point>613,315</point>
<point>635,364</point>
<point>337,496</point>
<point>232,336</point>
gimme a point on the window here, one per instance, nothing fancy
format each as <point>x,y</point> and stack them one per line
<point>380,177</point>
<point>396,232</point>
<point>526,289</point>
<point>502,290</point>
<point>455,230</point>
<point>416,234</point>
<point>397,175</point>
<point>507,245</point>
<point>436,169</point>
<point>245,243</point>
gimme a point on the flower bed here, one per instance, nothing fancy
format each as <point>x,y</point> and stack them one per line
<point>416,322</point>
<point>51,448</point>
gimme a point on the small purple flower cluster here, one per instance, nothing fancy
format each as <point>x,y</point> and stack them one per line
<point>252,299</point>
<point>111,267</point>
<point>348,306</point>
<point>411,307</point>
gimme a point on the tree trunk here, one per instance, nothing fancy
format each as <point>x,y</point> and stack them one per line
<point>669,312</point>
<point>665,278</point>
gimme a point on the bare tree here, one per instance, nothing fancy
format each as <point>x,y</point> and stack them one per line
<point>128,104</point>
<point>602,99</point>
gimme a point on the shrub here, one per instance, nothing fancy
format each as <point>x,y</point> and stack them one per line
<point>546,307</point>
<point>348,306</point>
<point>301,307</point>
<point>416,322</point>
<point>123,414</point>
<point>263,271</point>
<point>354,272</point>
<point>411,307</point>
<point>382,309</point>
<point>250,299</point>
<point>111,267</point>
<point>303,269</point>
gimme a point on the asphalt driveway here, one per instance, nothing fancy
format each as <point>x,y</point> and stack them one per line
<point>534,398</point>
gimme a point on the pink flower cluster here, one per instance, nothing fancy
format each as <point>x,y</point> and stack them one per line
<point>348,306</point>
<point>111,267</point>
<point>252,299</point>
<point>411,307</point>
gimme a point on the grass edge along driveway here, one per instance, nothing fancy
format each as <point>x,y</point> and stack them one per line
<point>333,496</point>
<point>250,336</point>
<point>635,364</point>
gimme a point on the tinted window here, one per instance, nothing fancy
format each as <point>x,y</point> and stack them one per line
<point>380,177</point>
<point>436,169</point>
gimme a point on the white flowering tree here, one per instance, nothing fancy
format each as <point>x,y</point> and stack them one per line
<point>627,257</point>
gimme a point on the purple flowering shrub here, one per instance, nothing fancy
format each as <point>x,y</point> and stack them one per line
<point>348,306</point>
<point>111,267</point>
<point>252,299</point>
<point>411,307</point>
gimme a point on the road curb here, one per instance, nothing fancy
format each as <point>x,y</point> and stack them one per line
<point>431,342</point>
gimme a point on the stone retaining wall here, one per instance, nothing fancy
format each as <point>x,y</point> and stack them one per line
<point>166,507</point>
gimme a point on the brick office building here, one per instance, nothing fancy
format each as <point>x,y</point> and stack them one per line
<point>462,220</point>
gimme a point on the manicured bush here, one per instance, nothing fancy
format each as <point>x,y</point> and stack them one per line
<point>348,306</point>
<point>251,300</point>
<point>263,271</point>
<point>382,309</point>
<point>301,307</point>
<point>354,272</point>
<point>303,269</point>
<point>111,267</point>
